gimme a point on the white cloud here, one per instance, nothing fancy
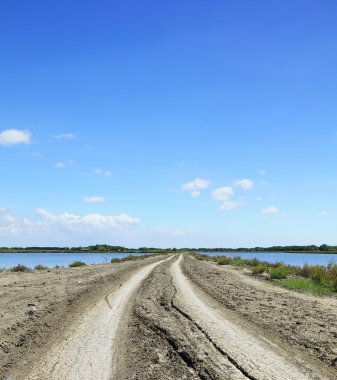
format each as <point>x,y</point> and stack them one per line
<point>107,173</point>
<point>96,199</point>
<point>35,154</point>
<point>259,198</point>
<point>323,213</point>
<point>245,183</point>
<point>65,136</point>
<point>14,136</point>
<point>222,193</point>
<point>195,193</point>
<point>262,172</point>
<point>50,223</point>
<point>197,184</point>
<point>229,205</point>
<point>271,210</point>
<point>60,165</point>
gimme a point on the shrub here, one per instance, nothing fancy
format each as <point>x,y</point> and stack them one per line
<point>252,262</point>
<point>40,267</point>
<point>20,268</point>
<point>130,258</point>
<point>278,273</point>
<point>259,269</point>
<point>77,264</point>
<point>223,260</point>
<point>115,260</point>
<point>318,274</point>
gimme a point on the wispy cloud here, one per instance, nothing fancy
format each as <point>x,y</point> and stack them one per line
<point>106,173</point>
<point>245,183</point>
<point>323,213</point>
<point>271,210</point>
<point>65,136</point>
<point>96,199</point>
<point>62,165</point>
<point>14,136</point>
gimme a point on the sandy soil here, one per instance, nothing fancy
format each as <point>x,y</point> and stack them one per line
<point>155,319</point>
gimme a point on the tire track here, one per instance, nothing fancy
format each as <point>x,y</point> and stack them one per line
<point>88,351</point>
<point>252,356</point>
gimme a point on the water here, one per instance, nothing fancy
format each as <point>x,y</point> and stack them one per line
<point>298,259</point>
<point>50,260</point>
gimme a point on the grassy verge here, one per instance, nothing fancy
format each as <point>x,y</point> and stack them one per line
<point>317,279</point>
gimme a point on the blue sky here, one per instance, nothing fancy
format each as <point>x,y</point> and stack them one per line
<point>166,123</point>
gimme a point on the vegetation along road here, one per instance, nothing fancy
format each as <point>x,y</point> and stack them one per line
<point>165,317</point>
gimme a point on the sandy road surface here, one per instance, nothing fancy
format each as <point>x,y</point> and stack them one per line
<point>88,350</point>
<point>162,319</point>
<point>254,357</point>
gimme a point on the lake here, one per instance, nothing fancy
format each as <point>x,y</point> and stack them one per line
<point>50,260</point>
<point>298,259</point>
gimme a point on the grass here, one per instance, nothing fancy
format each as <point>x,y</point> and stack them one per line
<point>317,279</point>
<point>77,264</point>
<point>305,284</point>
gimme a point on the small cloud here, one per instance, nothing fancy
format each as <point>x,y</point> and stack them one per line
<point>259,198</point>
<point>262,172</point>
<point>245,183</point>
<point>96,199</point>
<point>65,136</point>
<point>323,213</point>
<point>107,173</point>
<point>35,154</point>
<point>14,136</point>
<point>60,165</point>
<point>271,210</point>
<point>195,193</point>
<point>179,164</point>
<point>222,193</point>
<point>229,205</point>
<point>195,186</point>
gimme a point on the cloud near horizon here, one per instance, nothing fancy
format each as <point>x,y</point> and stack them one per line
<point>15,136</point>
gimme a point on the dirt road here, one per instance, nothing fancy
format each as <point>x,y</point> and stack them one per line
<point>178,318</point>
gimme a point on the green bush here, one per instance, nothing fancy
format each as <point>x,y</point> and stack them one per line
<point>252,262</point>
<point>223,260</point>
<point>20,268</point>
<point>40,267</point>
<point>259,269</point>
<point>278,273</point>
<point>77,264</point>
<point>115,260</point>
<point>318,274</point>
